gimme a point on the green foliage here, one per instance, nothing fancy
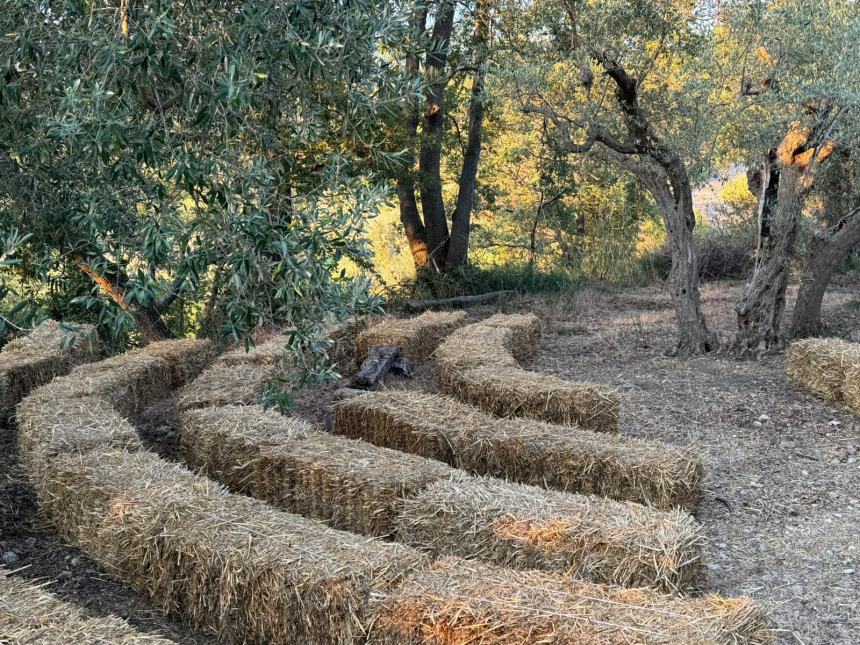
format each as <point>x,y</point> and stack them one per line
<point>211,155</point>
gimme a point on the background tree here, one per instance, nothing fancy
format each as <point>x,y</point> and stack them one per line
<point>170,160</point>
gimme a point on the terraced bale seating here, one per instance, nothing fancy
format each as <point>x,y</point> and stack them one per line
<point>827,367</point>
<point>29,614</point>
<point>453,602</point>
<point>526,451</point>
<point>478,365</point>
<point>33,360</point>
<point>349,484</point>
<point>525,527</point>
<point>416,337</point>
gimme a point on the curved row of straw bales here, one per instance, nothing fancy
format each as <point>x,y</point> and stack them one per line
<point>33,360</point>
<point>478,364</point>
<point>357,486</point>
<point>827,367</point>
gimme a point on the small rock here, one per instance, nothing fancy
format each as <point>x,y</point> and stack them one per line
<point>835,423</point>
<point>713,566</point>
<point>757,424</point>
<point>10,557</point>
<point>75,561</point>
<point>764,418</point>
<point>30,542</point>
<point>65,575</point>
<point>848,572</point>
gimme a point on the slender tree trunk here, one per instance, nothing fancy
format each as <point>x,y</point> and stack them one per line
<point>430,154</point>
<point>829,249</point>
<point>458,250</point>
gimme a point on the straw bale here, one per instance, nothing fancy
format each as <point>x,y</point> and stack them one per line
<point>820,365</point>
<point>416,337</point>
<point>31,361</point>
<point>527,332</point>
<point>525,527</point>
<point>508,393</point>
<point>49,425</point>
<point>475,346</point>
<point>226,384</point>
<point>350,484</point>
<point>851,389</point>
<point>29,614</point>
<point>129,381</point>
<point>186,357</point>
<point>454,602</point>
<point>530,452</point>
<point>265,353</point>
<point>229,564</point>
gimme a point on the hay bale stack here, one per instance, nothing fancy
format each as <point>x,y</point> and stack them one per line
<point>851,389</point>
<point>29,614</point>
<point>226,384</point>
<point>526,451</point>
<point>349,484</point>
<point>524,527</point>
<point>229,564</point>
<point>820,365</point>
<point>129,381</point>
<point>416,337</point>
<point>478,364</point>
<point>31,361</point>
<point>519,393</point>
<point>455,602</point>
<point>51,425</point>
<point>186,357</point>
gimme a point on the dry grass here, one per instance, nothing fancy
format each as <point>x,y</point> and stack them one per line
<point>265,353</point>
<point>416,337</point>
<point>351,485</point>
<point>462,603</point>
<point>820,365</point>
<point>523,450</point>
<point>851,388</point>
<point>478,365</point>
<point>226,384</point>
<point>29,614</point>
<point>31,361</point>
<point>524,527</point>
<point>229,564</point>
<point>186,357</point>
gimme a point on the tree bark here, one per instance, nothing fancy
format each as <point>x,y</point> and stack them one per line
<point>461,220</point>
<point>788,175</point>
<point>829,248</point>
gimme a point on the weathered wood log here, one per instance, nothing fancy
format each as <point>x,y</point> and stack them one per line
<point>378,363</point>
<point>457,302</point>
<point>403,367</point>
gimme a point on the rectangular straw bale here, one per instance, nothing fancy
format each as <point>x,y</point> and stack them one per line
<point>530,452</point>
<point>31,361</point>
<point>515,392</point>
<point>525,527</point>
<point>226,384</point>
<point>820,365</point>
<point>227,563</point>
<point>454,602</point>
<point>128,381</point>
<point>851,389</point>
<point>526,330</point>
<point>50,425</point>
<point>29,614</point>
<point>265,353</point>
<point>349,484</point>
<point>475,346</point>
<point>416,337</point>
<point>186,357</point>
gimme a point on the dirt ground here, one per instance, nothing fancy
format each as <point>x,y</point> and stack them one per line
<point>782,502</point>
